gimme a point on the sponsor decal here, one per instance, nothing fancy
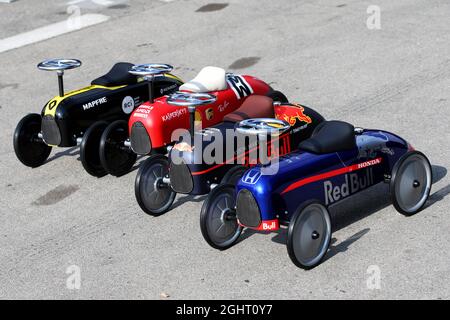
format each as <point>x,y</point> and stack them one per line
<point>143,111</point>
<point>223,106</point>
<point>127,104</point>
<point>209,113</point>
<point>52,104</point>
<point>298,115</point>
<point>352,184</point>
<point>140,115</point>
<point>239,85</point>
<point>169,88</point>
<point>266,225</point>
<point>331,174</point>
<point>94,103</point>
<point>251,177</point>
<point>269,225</point>
<point>299,128</point>
<point>145,107</point>
<point>174,114</point>
<point>369,163</point>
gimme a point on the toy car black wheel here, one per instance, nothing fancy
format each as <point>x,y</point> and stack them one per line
<point>115,157</point>
<point>218,221</point>
<point>233,175</point>
<point>29,148</point>
<point>410,184</point>
<point>152,193</point>
<point>309,235</point>
<point>89,149</point>
<point>277,96</point>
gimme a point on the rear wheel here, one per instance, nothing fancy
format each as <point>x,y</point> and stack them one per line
<point>115,157</point>
<point>218,221</point>
<point>31,150</point>
<point>152,193</point>
<point>277,96</point>
<point>411,183</point>
<point>309,235</point>
<point>233,175</point>
<point>89,149</point>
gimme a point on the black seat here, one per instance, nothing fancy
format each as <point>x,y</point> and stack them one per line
<point>330,136</point>
<point>117,76</point>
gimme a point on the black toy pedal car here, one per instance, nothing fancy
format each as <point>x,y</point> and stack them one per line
<point>80,116</point>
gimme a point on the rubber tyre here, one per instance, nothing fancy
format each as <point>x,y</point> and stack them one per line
<point>233,175</point>
<point>30,152</point>
<point>209,213</point>
<point>398,176</point>
<point>300,233</point>
<point>114,157</point>
<point>89,149</point>
<point>153,169</point>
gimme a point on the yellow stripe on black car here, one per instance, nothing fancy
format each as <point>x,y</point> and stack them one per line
<point>52,105</point>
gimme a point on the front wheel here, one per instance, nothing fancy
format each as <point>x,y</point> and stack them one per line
<point>218,221</point>
<point>115,157</point>
<point>31,150</point>
<point>309,235</point>
<point>410,184</point>
<point>153,195</point>
<point>89,149</point>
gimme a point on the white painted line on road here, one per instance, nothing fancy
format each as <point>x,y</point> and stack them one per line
<point>51,31</point>
<point>105,3</point>
<point>7,1</point>
<point>70,3</point>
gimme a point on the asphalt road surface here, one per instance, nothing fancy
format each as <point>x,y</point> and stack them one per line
<point>319,53</point>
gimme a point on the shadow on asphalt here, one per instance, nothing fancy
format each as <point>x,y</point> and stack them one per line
<point>70,152</point>
<point>188,198</point>
<point>439,173</point>
<point>344,245</point>
<point>438,195</point>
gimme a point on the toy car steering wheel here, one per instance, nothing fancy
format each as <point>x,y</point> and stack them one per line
<point>186,99</point>
<point>262,126</point>
<point>59,64</point>
<point>150,69</point>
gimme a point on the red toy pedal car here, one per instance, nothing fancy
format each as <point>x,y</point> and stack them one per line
<point>150,127</point>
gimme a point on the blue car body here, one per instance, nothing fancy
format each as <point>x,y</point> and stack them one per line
<point>279,188</point>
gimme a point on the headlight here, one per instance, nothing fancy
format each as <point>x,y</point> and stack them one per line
<point>247,209</point>
<point>140,141</point>
<point>180,177</point>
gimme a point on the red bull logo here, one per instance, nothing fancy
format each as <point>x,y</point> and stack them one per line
<point>269,225</point>
<point>298,115</point>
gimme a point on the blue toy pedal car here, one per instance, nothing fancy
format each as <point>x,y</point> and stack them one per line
<point>336,162</point>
